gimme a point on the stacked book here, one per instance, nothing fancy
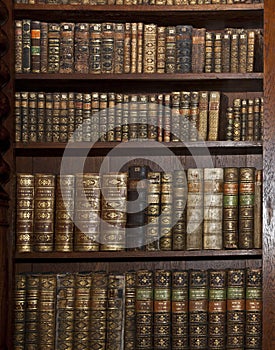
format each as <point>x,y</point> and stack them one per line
<point>179,309</point>
<point>42,47</point>
<point>210,208</point>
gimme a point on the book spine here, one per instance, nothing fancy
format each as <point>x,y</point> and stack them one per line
<point>143,114</point>
<point>198,50</point>
<point>32,129</point>
<point>160,113</point>
<point>78,104</point>
<point>98,316</point>
<point>32,312</point>
<point>179,310</point>
<point>203,115</point>
<point>183,48</point>
<point>251,38</point>
<point>87,212</point>
<point>213,115</point>
<point>35,46</point>
<point>63,117</point>
<point>218,52</point>
<point>226,44</point>
<point>153,210</point>
<point>209,52</point>
<point>44,47</point>
<point>26,46</point>
<point>130,313</point>
<point>258,209</point>
<point>253,329</point>
<point>162,310</point>
<point>243,54</point>
<point>140,47</point>
<point>87,113</point>
<point>56,117</point>
<point>230,122</point>
<point>127,48</point>
<point>237,119</point>
<point>95,47</point>
<point>175,115</point>
<point>49,117</point>
<point>81,48</point>
<point>244,121</point>
<point>166,118</point>
<point>107,48</point>
<point>198,309</point>
<point>83,282</point>
<point>25,116</point>
<point>152,118</point>
<point>194,209</point>
<point>71,116</point>
<point>213,208</point>
<point>170,49</point>
<point>217,309</point>
<point>144,310</point>
<point>65,310</point>
<point>185,101</point>
<point>234,53</point>
<point>111,117</point>
<point>113,211</point>
<point>103,120</point>
<point>53,47</point>
<point>95,119</point>
<point>119,48</point>
<point>150,47</point>
<point>235,309</point>
<point>246,207</point>
<point>115,312</point>
<point>44,200</point>
<point>17,115</point>
<point>160,51</point>
<point>250,120</point>
<point>118,117</point>
<point>166,210</point>
<point>134,49</point>
<point>18,38</point>
<point>194,116</point>
<point>41,117</point>
<point>25,212</point>
<point>231,208</point>
<point>19,315</point>
<point>256,119</point>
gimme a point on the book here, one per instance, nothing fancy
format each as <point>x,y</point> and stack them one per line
<point>119,35</point>
<point>218,52</point>
<point>81,48</point>
<point>185,101</point>
<point>150,47</point>
<point>213,115</point>
<point>107,48</point>
<point>95,40</point>
<point>194,116</point>
<point>44,47</point>
<point>19,314</point>
<point>170,49</point>
<point>17,116</point>
<point>258,226</point>
<point>18,38</point>
<point>26,46</point>
<point>160,50</point>
<point>32,311</point>
<point>166,210</point>
<point>130,314</point>
<point>54,47</point>
<point>198,50</point>
<point>183,48</point>
<point>209,52</point>
<point>35,46</point>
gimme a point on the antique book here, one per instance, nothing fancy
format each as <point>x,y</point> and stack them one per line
<point>246,207</point>
<point>111,116</point>
<point>86,115</point>
<point>244,121</point>
<point>40,117</point>
<point>53,47</point>
<point>194,230</point>
<point>243,54</point>
<point>35,46</point>
<point>130,311</point>
<point>136,208</point>
<point>203,115</point>
<point>250,62</point>
<point>142,116</point>
<point>140,47</point>
<point>170,49</point>
<point>82,310</point>
<point>185,102</point>
<point>78,104</point>
<point>194,116</point>
<point>119,47</point>
<point>126,110</point>
<point>166,211</point>
<point>218,52</point>
<point>160,51</point>
<point>95,118</point>
<point>153,210</point>
<point>64,213</point>
<point>118,117</point>
<point>95,47</point>
<point>237,119</point>
<point>81,48</point>
<point>209,52</point>
<point>68,38</point>
<point>166,118</point>
<point>152,117</point>
<point>49,117</point>
<point>230,122</point>
<point>226,44</point>
<point>175,115</point>
<point>25,116</point>
<point>44,202</point>
<point>18,47</point>
<point>103,118</point>
<point>214,115</point>
<point>44,47</point>
<point>235,309</point>
<point>56,117</point>
<point>98,310</point>
<point>17,116</point>
<point>65,310</point>
<point>115,312</point>
<point>162,309</point>
<point>26,46</point>
<point>179,310</point>
<point>253,308</point>
<point>134,48</point>
<point>212,208</point>
<point>107,48</point>
<point>258,227</point>
<point>198,309</point>
<point>217,309</point>
<point>179,210</point>
<point>63,117</point>
<point>127,48</point>
<point>32,116</point>
<point>144,309</point>
<point>70,115</point>
<point>250,120</point>
<point>231,208</point>
<point>113,211</point>
<point>150,48</point>
<point>183,48</point>
<point>160,113</point>
<point>234,52</point>
<point>32,312</point>
<point>198,50</point>
<point>87,212</point>
<point>19,315</point>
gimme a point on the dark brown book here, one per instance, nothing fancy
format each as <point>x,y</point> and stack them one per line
<point>95,46</point>
<point>78,118</point>
<point>32,312</point>
<point>250,120</point>
<point>203,115</point>
<point>26,46</point>
<point>44,47</point>
<point>63,117</point>
<point>119,47</point>
<point>95,117</point>
<point>125,118</point>
<point>25,116</point>
<point>142,116</point>
<point>35,46</point>
<point>41,107</point>
<point>183,48</point>
<point>230,122</point>
<point>198,50</point>
<point>226,44</point>
<point>209,52</point>
<point>111,116</point>
<point>258,226</point>
<point>127,48</point>
<point>166,210</point>
<point>166,118</point>
<point>243,54</point>
<point>234,52</point>
<point>237,119</point>
<point>244,120</point>
<point>175,115</point>
<point>54,47</point>
<point>49,117</point>
<point>32,117</point>
<point>19,315</point>
<point>17,116</point>
<point>218,52</point>
<point>56,117</point>
<point>152,118</point>
<point>170,49</point>
<point>185,101</point>
<point>133,47</point>
<point>81,48</point>
<point>130,311</point>
<point>194,116</point>
<point>107,48</point>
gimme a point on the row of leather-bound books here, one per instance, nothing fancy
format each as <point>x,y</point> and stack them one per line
<point>179,116</point>
<point>134,48</point>
<point>144,309</point>
<point>193,209</point>
<point>138,2</point>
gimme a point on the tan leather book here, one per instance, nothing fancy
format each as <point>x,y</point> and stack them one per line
<point>150,48</point>
<point>203,115</point>
<point>214,115</point>
<point>81,48</point>
<point>160,55</point>
<point>198,50</point>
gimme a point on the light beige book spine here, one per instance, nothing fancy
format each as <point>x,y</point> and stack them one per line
<point>150,43</point>
<point>213,116</point>
<point>161,38</point>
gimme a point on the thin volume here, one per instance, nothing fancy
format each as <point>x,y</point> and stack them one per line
<point>258,227</point>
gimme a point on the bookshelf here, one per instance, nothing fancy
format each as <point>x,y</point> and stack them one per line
<point>45,157</point>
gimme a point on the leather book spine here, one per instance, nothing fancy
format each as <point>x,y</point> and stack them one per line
<point>166,121</point>
<point>95,119</point>
<point>19,315</point>
<point>150,47</point>
<point>258,226</point>
<point>32,312</point>
<point>230,122</point>
<point>103,120</point>
<point>166,210</point>
<point>213,208</point>
<point>32,129</point>
<point>243,54</point>
<point>133,118</point>
<point>162,310</point>
<point>64,211</point>
<point>111,117</point>
<point>194,233</point>
<point>95,47</point>
<point>244,121</point>
<point>160,55</point>
<point>251,39</point>
<point>26,46</point>
<point>71,115</point>
<point>179,310</point>
<point>25,116</point>
<point>214,115</point>
<point>144,309</point>
<point>49,117</point>
<point>235,309</point>
<point>209,52</point>
<point>78,133</point>
<point>183,48</point>
<point>125,118</point>
<point>118,117</point>
<point>130,311</point>
<point>170,49</point>
<point>256,119</point>
<point>160,113</point>
<point>134,49</point>
<point>194,116</point>
<point>63,117</point>
<point>127,48</point>
<point>107,48</point>
<point>198,309</point>
<point>53,47</point>
<point>143,117</point>
<point>250,120</point>
<point>87,212</point>
<point>234,53</point>
<point>119,47</point>
<point>35,46</point>
<point>41,117</point>
<point>259,49</point>
<point>87,115</point>
<point>56,117</point>
<point>203,115</point>
<point>218,52</point>
<point>226,44</point>
<point>185,104</point>
<point>198,50</point>
<point>44,47</point>
<point>18,45</point>
<point>140,47</point>
<point>175,115</point>
<point>44,201</point>
<point>17,116</point>
<point>152,118</point>
<point>237,119</point>
<point>81,48</point>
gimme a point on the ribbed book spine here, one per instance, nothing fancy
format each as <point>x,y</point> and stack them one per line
<point>162,310</point>
<point>65,311</point>
<point>250,120</point>
<point>44,47</point>
<point>18,38</point>
<point>70,115</point>
<point>183,48</point>
<point>185,102</point>
<point>226,44</point>
<point>243,54</point>
<point>49,117</point>
<point>25,116</point>
<point>237,119</point>
<point>179,309</point>
<point>244,120</point>
<point>234,52</point>
<point>40,117</point>
<point>258,226</point>
<point>194,209</point>
<point>254,306</point>
<point>98,310</point>
<point>95,41</point>
<point>130,311</point>
<point>32,129</point>
<point>198,309</point>
<point>78,103</point>
<point>63,118</point>
<point>107,48</point>
<point>251,37</point>
<point>152,118</point>
<point>17,116</point>
<point>218,52</point>
<point>118,117</point>
<point>81,48</point>
<point>166,121</point>
<point>25,212</point>
<point>144,310</point>
<point>153,210</point>
<point>231,208</point>
<point>127,48</point>
<point>170,49</point>
<point>115,312</point>
<point>230,122</point>
<point>160,54</point>
<point>246,207</point>
<point>95,134</point>
<point>113,211</point>
<point>87,212</point>
<point>143,117</point>
<point>32,312</point>
<point>53,47</point>
<point>217,309</point>
<point>111,117</point>
<point>44,200</point>
<point>26,46</point>
<point>175,122</point>
<point>198,50</point>
<point>194,116</point>
<point>19,315</point>
<point>125,118</point>
<point>56,117</point>
<point>133,41</point>
<point>235,309</point>
<point>140,47</point>
<point>119,47</point>
<point>212,208</point>
<point>166,210</point>
<point>213,115</point>
<point>83,282</point>
<point>103,120</point>
<point>35,46</point>
<point>209,52</point>
<point>203,115</point>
